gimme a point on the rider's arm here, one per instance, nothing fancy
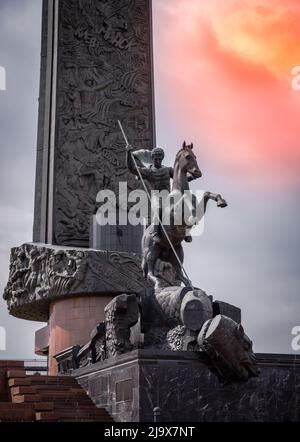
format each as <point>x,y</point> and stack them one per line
<point>171,172</point>
<point>129,161</point>
<point>144,171</point>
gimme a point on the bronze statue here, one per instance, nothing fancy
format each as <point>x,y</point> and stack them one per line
<point>158,176</point>
<point>162,241</point>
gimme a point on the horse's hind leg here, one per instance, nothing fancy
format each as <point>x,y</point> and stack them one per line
<point>152,256</point>
<point>177,266</point>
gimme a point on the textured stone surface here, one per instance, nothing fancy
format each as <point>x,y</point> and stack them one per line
<point>181,384</point>
<point>41,274</point>
<point>96,68</point>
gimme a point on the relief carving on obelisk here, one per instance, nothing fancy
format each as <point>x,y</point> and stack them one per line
<point>104,73</point>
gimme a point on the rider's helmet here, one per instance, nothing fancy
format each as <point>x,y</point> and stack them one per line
<point>158,152</point>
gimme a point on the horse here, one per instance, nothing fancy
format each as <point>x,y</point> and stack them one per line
<point>185,169</point>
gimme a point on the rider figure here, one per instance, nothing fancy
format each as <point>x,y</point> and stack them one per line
<point>158,177</point>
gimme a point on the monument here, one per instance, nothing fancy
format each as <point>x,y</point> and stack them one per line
<point>123,318</point>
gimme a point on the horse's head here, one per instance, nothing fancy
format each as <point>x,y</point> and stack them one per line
<point>187,161</point>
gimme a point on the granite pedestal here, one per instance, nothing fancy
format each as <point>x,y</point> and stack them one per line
<point>183,387</point>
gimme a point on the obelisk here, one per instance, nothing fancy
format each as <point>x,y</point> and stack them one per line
<point>96,68</point>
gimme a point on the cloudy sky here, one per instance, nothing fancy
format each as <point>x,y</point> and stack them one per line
<point>222,80</point>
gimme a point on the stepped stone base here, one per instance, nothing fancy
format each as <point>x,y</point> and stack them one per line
<point>46,398</point>
<point>183,387</point>
<point>4,367</point>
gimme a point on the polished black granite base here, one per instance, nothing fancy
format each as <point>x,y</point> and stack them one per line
<point>183,387</point>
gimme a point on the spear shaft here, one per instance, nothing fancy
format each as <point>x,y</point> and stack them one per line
<point>149,197</point>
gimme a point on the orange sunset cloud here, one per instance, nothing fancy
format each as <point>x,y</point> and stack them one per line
<point>224,72</point>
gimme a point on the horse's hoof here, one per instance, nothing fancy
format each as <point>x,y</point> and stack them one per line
<point>188,239</point>
<point>221,203</point>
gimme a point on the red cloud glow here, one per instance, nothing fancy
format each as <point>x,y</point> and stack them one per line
<point>223,71</point>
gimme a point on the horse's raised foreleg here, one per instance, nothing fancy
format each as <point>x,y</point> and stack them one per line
<point>215,197</point>
<point>202,206</point>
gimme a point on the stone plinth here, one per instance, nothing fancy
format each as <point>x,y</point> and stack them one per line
<point>181,384</point>
<point>71,322</point>
<point>69,287</point>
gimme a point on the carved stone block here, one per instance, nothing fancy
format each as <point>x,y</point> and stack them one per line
<point>121,314</point>
<point>98,343</point>
<point>196,308</point>
<point>67,360</point>
<point>84,356</point>
<point>40,274</point>
<point>229,349</point>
